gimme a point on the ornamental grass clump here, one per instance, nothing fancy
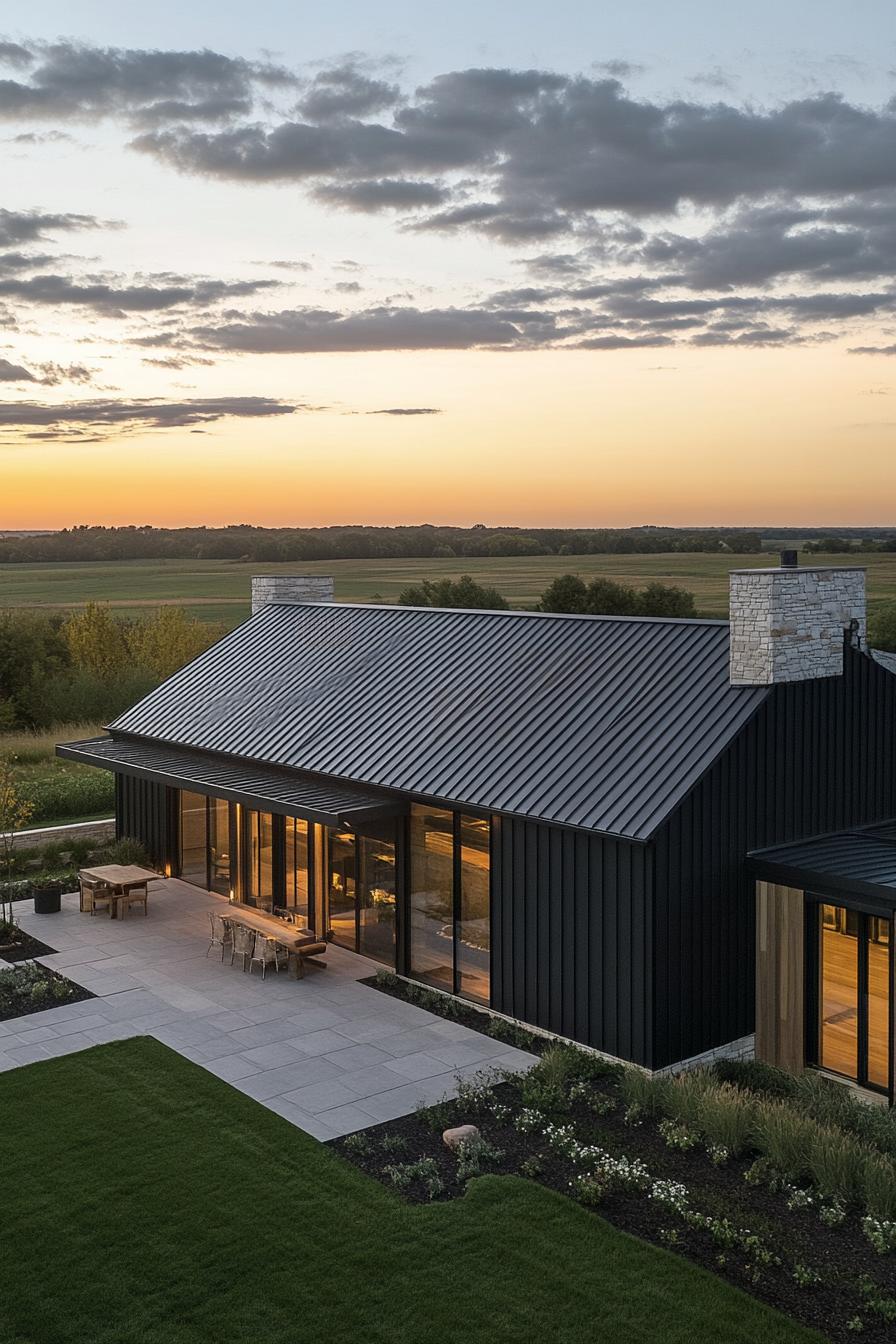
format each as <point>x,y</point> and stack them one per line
<point>684,1096</point>
<point>645,1098</point>
<point>785,1137</point>
<point>879,1187</point>
<point>836,1164</point>
<point>547,1084</point>
<point>727,1118</point>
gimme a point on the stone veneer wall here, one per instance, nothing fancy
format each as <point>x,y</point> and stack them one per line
<point>267,588</point>
<point>787,624</point>
<point>76,830</point>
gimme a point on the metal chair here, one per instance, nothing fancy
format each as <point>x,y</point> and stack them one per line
<point>93,892</point>
<point>267,952</point>
<point>242,944</point>
<point>221,932</point>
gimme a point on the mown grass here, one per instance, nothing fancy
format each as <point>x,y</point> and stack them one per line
<point>145,1202</point>
<point>219,590</point>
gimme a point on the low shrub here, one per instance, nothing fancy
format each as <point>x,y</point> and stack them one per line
<point>752,1075</point>
<point>473,1154</point>
<point>29,988</point>
<point>546,1085</point>
<point>424,1171</point>
<point>68,791</point>
<point>127,850</point>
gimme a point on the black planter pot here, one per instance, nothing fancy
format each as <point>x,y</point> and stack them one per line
<point>47,902</point>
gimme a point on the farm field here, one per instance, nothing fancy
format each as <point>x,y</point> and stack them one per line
<point>218,590</point>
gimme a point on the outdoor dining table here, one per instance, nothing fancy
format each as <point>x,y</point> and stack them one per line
<point>291,936</point>
<point>122,878</point>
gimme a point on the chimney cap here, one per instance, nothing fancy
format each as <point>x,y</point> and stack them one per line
<point>789,560</point>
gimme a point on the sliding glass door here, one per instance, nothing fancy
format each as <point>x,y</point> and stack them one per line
<point>362,891</point>
<point>851,983</point>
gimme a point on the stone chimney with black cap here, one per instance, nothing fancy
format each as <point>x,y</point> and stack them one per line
<point>791,622</point>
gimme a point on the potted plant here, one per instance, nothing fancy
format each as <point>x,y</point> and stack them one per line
<point>47,895</point>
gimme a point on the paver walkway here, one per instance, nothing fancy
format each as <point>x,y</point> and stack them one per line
<point>330,1055</point>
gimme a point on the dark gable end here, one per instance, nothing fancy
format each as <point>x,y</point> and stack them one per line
<point>600,723</point>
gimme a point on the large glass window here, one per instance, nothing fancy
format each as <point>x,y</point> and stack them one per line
<point>260,860</point>
<point>341,887</point>
<point>853,989</point>
<point>219,829</point>
<point>296,865</point>
<point>376,898</point>
<point>839,992</point>
<point>432,896</point>
<point>474,924</point>
<point>193,838</point>
<point>450,924</point>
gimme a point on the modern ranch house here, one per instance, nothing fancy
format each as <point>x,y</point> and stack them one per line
<point>665,839</point>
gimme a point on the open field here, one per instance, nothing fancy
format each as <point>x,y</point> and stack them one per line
<point>147,1202</point>
<point>218,590</point>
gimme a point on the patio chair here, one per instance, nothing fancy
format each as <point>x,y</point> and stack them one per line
<point>221,932</point>
<point>267,952</point>
<point>94,893</point>
<point>135,896</point>
<point>242,943</point>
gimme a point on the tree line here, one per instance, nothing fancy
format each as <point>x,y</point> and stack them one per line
<point>286,544</point>
<point>89,666</point>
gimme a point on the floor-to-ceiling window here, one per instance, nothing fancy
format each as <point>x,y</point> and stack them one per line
<point>362,891</point>
<point>852,990</point>
<point>450,924</point>
<point>431,928</point>
<point>473,938</point>
<point>297,868</point>
<point>193,838</point>
<point>376,897</point>
<point>220,844</point>
<point>259,859</point>
<point>341,886</point>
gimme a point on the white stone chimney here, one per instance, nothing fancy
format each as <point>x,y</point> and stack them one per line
<point>268,588</point>
<point>790,623</point>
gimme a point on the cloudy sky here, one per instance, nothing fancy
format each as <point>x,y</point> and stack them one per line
<point>503,262</point>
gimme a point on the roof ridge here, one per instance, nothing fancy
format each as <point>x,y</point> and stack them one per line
<point>513,611</point>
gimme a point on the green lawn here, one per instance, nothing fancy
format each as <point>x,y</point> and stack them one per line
<point>219,590</point>
<point>145,1202</point>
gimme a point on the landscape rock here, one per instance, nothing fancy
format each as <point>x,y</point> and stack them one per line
<point>453,1138</point>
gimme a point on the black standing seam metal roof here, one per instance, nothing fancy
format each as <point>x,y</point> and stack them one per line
<point>860,861</point>
<point>288,792</point>
<point>602,723</point>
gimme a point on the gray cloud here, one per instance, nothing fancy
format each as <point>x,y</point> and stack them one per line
<point>14,373</point>
<point>385,193</point>
<point>80,421</point>
<point>345,91</point>
<point>28,226</point>
<point>408,410</point>
<point>11,53</point>
<point>112,298</point>
<point>70,79</point>
<point>307,330</point>
<point>873,350</point>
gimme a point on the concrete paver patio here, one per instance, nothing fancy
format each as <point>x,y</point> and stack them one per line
<point>325,1052</point>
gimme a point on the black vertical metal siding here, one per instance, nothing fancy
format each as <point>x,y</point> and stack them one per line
<point>571,934</point>
<point>818,756</point>
<point>144,811</point>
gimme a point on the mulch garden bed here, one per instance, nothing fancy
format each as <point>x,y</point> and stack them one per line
<point>24,948</point>
<point>31,988</point>
<point>827,1277</point>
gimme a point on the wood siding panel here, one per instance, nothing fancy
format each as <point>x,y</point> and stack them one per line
<point>780,967</point>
